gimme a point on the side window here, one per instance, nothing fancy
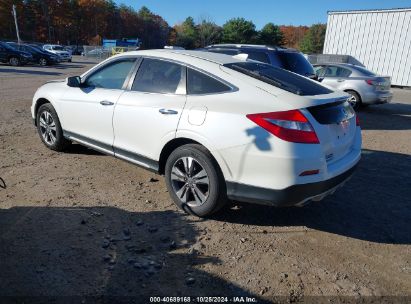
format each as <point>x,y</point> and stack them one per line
<point>319,70</point>
<point>258,56</point>
<point>199,83</point>
<point>158,76</point>
<point>330,71</point>
<point>341,72</point>
<point>111,76</point>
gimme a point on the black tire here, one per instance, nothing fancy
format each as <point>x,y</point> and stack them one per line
<point>43,61</point>
<point>69,60</point>
<point>14,61</point>
<point>355,100</point>
<point>216,193</point>
<point>60,143</point>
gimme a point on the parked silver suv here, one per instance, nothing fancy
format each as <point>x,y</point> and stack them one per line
<point>364,86</point>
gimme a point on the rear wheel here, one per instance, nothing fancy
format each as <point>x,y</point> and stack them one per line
<point>355,99</point>
<point>14,61</point>
<point>49,128</point>
<point>194,180</point>
<point>43,61</point>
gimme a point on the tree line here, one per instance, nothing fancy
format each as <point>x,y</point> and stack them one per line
<point>88,21</point>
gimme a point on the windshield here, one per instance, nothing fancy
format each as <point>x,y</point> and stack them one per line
<point>279,78</point>
<point>296,63</point>
<point>57,48</point>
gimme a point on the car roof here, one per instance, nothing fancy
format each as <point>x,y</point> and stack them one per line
<point>186,55</point>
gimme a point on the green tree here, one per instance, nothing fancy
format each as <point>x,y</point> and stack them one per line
<point>239,30</point>
<point>186,34</point>
<point>313,41</point>
<point>208,33</point>
<point>271,35</point>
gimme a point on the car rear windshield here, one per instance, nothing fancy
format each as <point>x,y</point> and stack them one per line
<point>364,71</point>
<point>296,62</point>
<point>279,78</point>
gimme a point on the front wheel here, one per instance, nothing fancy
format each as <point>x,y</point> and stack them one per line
<point>195,181</point>
<point>49,128</point>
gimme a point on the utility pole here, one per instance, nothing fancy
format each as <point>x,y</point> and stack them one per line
<point>15,22</point>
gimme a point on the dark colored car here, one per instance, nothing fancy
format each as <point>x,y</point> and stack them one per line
<point>14,57</point>
<point>39,56</point>
<point>77,49</point>
<point>288,59</point>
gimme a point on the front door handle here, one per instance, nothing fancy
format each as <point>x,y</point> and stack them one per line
<point>341,80</point>
<point>106,103</point>
<point>167,111</point>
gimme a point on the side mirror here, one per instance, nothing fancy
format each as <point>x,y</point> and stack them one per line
<point>320,79</point>
<point>74,81</point>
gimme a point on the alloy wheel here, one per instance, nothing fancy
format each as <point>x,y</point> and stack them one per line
<point>353,101</point>
<point>14,61</point>
<point>48,128</point>
<point>190,181</point>
<point>43,62</point>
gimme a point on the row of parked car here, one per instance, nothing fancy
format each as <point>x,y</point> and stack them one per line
<point>364,86</point>
<point>19,54</point>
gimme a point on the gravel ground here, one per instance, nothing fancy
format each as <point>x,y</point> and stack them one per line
<point>84,224</point>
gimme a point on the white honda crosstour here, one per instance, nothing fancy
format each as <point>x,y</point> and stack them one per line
<point>217,127</point>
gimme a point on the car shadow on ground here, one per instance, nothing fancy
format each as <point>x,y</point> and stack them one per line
<point>374,205</point>
<point>29,72</point>
<point>392,116</point>
<point>102,252</point>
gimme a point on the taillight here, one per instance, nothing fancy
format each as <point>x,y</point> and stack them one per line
<point>370,81</point>
<point>290,126</point>
<point>357,120</point>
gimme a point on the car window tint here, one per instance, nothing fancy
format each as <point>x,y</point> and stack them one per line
<point>280,78</point>
<point>342,72</point>
<point>364,71</point>
<point>199,83</point>
<point>158,76</point>
<point>111,76</point>
<point>258,56</point>
<point>330,71</point>
<point>296,62</point>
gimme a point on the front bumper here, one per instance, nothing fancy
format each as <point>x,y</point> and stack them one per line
<point>295,195</point>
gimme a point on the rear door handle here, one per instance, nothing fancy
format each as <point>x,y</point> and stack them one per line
<point>167,111</point>
<point>106,103</point>
<point>341,80</point>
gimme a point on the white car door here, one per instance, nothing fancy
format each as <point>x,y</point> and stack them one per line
<point>147,115</point>
<point>87,111</point>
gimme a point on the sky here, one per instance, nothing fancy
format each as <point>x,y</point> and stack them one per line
<point>288,12</point>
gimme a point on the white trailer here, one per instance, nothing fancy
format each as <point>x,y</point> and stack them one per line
<point>380,39</point>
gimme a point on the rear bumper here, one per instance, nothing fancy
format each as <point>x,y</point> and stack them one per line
<point>295,195</point>
<point>377,97</point>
